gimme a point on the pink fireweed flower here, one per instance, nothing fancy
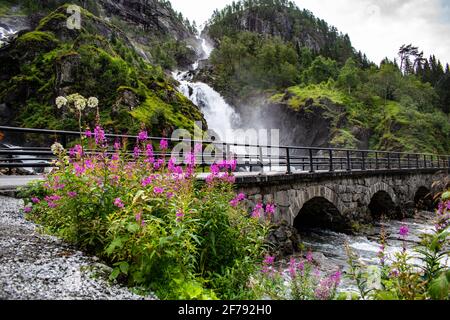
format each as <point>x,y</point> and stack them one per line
<point>142,136</point>
<point>79,170</point>
<point>173,168</point>
<point>89,164</point>
<point>440,208</point>
<point>163,144</point>
<point>158,190</point>
<point>336,278</point>
<point>76,151</point>
<point>158,164</point>
<point>270,208</point>
<point>404,231</point>
<point>51,204</point>
<point>115,157</point>
<point>180,215</point>
<point>233,164</point>
<point>149,153</point>
<point>324,289</point>
<point>117,145</point>
<point>27,209</point>
<point>214,169</point>
<point>269,260</point>
<point>257,211</point>
<point>198,148</point>
<point>138,217</point>
<point>147,181</point>
<point>99,134</point>
<point>136,152</point>
<point>394,273</point>
<point>309,256</point>
<point>52,198</point>
<point>118,203</point>
<point>240,197</point>
<point>35,200</point>
<point>88,133</point>
<point>71,194</point>
<point>292,268</point>
<point>190,159</point>
<point>170,195</point>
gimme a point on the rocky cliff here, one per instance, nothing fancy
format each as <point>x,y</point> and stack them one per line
<point>156,31</point>
<point>97,60</point>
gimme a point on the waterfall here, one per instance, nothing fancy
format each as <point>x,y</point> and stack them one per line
<point>5,34</point>
<point>219,115</point>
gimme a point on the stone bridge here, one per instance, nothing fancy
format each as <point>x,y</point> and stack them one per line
<point>336,200</point>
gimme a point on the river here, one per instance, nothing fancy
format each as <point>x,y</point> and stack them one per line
<point>329,246</point>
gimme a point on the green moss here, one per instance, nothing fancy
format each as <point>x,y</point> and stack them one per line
<point>36,38</point>
<point>296,97</point>
<point>53,17</point>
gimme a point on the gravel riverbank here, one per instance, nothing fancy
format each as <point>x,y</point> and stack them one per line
<point>34,266</point>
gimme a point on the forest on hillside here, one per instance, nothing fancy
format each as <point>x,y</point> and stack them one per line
<point>275,49</point>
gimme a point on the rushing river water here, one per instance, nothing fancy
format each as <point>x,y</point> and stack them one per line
<point>329,246</point>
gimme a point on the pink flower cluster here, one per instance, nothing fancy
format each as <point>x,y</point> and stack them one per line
<point>327,286</point>
<point>118,203</point>
<point>443,216</point>
<point>51,200</point>
<point>240,197</point>
<point>76,152</point>
<point>268,266</point>
<point>259,210</point>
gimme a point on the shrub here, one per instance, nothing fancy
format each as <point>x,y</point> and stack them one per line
<point>151,219</point>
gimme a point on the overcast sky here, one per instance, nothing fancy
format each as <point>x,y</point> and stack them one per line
<point>376,27</point>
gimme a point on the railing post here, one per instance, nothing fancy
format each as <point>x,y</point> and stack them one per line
<point>311,161</point>
<point>64,140</point>
<point>349,161</point>
<point>288,161</point>
<point>331,160</point>
<point>425,161</point>
<point>399,160</point>
<point>448,163</point>
<point>417,162</point>
<point>377,166</point>
<point>363,161</point>
<point>261,159</point>
<point>389,161</point>
<point>409,159</point>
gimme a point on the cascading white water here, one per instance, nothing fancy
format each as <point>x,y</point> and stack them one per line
<point>5,33</point>
<point>219,115</point>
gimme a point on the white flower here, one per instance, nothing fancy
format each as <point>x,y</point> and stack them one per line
<point>61,102</point>
<point>80,104</point>
<point>57,148</point>
<point>92,102</point>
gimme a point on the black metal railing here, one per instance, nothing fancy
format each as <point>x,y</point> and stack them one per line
<point>250,157</point>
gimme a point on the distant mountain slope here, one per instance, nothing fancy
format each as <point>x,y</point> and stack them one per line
<point>282,18</point>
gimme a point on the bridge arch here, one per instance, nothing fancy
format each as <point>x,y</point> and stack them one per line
<point>318,206</point>
<point>423,198</point>
<point>381,200</point>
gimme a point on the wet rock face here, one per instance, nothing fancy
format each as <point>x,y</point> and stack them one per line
<point>284,240</point>
<point>66,73</point>
<point>147,14</point>
<point>126,99</point>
